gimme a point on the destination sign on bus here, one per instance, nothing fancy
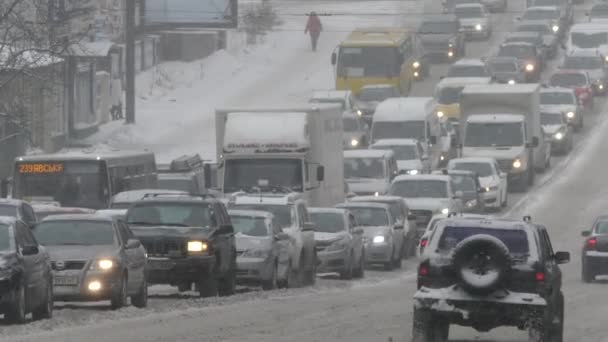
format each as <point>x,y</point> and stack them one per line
<point>41,168</point>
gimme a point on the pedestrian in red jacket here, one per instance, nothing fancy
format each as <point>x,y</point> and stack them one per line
<point>314,28</point>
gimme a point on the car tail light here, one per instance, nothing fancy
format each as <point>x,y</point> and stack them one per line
<point>540,276</point>
<point>582,92</point>
<point>591,243</point>
<point>423,270</point>
<point>423,242</point>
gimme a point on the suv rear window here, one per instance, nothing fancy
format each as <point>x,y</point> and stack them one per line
<point>172,214</point>
<point>515,239</point>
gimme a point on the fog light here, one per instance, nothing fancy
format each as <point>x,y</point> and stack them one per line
<point>416,74</point>
<point>94,286</point>
<point>600,86</point>
<point>555,28</point>
<point>416,64</point>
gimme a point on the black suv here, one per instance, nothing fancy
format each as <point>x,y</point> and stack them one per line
<point>189,239</point>
<point>485,273</point>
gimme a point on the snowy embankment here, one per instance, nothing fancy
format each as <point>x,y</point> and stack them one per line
<point>176,101</point>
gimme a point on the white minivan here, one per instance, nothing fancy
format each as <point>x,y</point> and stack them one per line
<point>592,36</point>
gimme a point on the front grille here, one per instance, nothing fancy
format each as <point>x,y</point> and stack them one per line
<point>68,265</point>
<point>505,164</point>
<point>164,247</point>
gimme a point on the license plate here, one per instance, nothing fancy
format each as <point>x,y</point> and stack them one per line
<point>65,280</point>
<point>160,264</point>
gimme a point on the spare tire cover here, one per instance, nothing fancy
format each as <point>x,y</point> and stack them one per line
<point>481,262</point>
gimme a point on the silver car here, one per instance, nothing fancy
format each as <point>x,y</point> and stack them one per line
<point>475,21</point>
<point>339,242</point>
<point>379,228</point>
<point>563,100</point>
<point>355,131</point>
<point>262,249</point>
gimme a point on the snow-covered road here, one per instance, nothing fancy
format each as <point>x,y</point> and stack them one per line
<point>379,307</point>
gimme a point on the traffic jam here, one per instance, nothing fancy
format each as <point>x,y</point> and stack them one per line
<point>413,159</point>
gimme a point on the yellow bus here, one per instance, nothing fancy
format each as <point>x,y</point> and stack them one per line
<point>376,56</point>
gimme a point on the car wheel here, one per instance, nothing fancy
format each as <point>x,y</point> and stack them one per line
<point>227,284</point>
<point>539,330</point>
<point>271,283</point>
<point>347,272</point>
<point>45,311</point>
<point>557,334</point>
<point>312,272</point>
<point>586,274</point>
<point>398,259</point>
<point>504,203</point>
<point>360,270</point>
<point>207,284</point>
<point>293,277</point>
<point>140,299</point>
<point>428,328</point>
<point>284,283</point>
<point>119,298</point>
<point>16,310</point>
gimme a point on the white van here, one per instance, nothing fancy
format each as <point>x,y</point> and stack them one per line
<point>589,36</point>
<point>409,118</point>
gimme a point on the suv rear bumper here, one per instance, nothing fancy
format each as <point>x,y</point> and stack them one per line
<point>173,271</point>
<point>501,308</point>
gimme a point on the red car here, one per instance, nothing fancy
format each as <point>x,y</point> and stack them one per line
<point>578,80</point>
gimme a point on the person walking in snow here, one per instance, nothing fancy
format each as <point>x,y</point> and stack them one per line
<point>314,28</point>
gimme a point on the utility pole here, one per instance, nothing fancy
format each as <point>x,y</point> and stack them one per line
<point>130,61</point>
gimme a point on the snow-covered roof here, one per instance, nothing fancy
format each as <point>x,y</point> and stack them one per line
<point>590,27</point>
<point>78,217</point>
<point>175,176</point>
<point>496,118</point>
<point>7,220</point>
<point>469,5</point>
<point>376,199</point>
<point>45,208</point>
<point>526,44</point>
<point>469,61</point>
<point>339,211</point>
<point>286,131</point>
<point>523,34</point>
<point>472,160</point>
<point>542,8</point>
<point>403,109</point>
<point>136,195</point>
<point>497,88</point>
<point>557,90</point>
<point>251,213</point>
<point>90,49</point>
<point>264,199</point>
<point>112,212</point>
<point>378,86</point>
<point>585,53</point>
<point>368,154</point>
<point>81,154</point>
<point>395,142</point>
<point>443,178</point>
<point>462,81</point>
<point>330,94</point>
<point>10,201</point>
<point>378,205</point>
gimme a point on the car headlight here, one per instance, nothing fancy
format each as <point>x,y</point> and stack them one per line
<point>376,194</point>
<point>416,64</point>
<point>491,188</point>
<point>442,157</point>
<point>555,28</point>
<point>517,163</point>
<point>413,172</point>
<point>606,58</point>
<point>511,82</point>
<point>451,45</point>
<point>379,239</point>
<point>445,211</point>
<point>529,67</point>
<point>256,253</point>
<point>103,264</point>
<point>440,114</point>
<point>472,203</point>
<point>570,115</point>
<point>359,112</point>
<point>197,246</point>
<point>354,143</point>
<point>416,74</point>
<point>559,135</point>
<point>599,84</point>
<point>478,27</point>
<point>450,53</point>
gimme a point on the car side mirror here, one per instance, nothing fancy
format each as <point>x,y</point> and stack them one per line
<point>458,194</point>
<point>358,230</point>
<point>281,236</point>
<point>334,58</point>
<point>226,229</point>
<point>562,257</point>
<point>133,244</point>
<point>308,227</point>
<point>320,173</point>
<point>398,226</point>
<point>411,217</point>
<point>586,233</point>
<point>30,250</point>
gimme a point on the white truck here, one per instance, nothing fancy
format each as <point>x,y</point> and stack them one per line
<point>502,121</point>
<point>282,150</point>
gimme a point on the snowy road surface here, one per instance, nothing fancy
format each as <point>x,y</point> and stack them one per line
<point>566,199</point>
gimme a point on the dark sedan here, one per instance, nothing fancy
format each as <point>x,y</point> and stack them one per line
<point>94,257</point>
<point>529,57</point>
<point>595,250</point>
<point>506,70</point>
<point>25,274</point>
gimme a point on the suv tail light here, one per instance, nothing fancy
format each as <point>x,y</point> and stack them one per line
<point>423,270</point>
<point>540,276</point>
<point>591,243</point>
<point>423,242</point>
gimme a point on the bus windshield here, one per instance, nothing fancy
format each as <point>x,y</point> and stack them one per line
<point>369,62</point>
<point>71,183</point>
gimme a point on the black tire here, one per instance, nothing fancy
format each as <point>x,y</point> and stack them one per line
<point>293,277</point>
<point>531,174</point>
<point>557,332</point>
<point>207,284</point>
<point>140,299</point>
<point>347,272</point>
<point>586,274</point>
<point>428,328</point>
<point>119,298</point>
<point>272,283</point>
<point>45,310</point>
<point>284,283</point>
<point>359,272</point>
<point>310,275</point>
<point>480,262</point>
<point>16,310</point>
<point>540,330</point>
<point>227,284</point>
<point>504,203</point>
<point>398,259</point>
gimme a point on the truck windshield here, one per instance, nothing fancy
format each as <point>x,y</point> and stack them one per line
<point>467,71</point>
<point>5,243</point>
<point>481,134</point>
<point>398,130</point>
<point>449,95</point>
<point>369,217</point>
<point>326,222</point>
<point>542,28</point>
<point>369,62</point>
<point>364,168</point>
<point>541,14</point>
<point>557,98</point>
<point>516,240</point>
<point>245,174</point>
<point>420,188</point>
<point>468,12</point>
<point>568,80</point>
<point>585,40</point>
<point>283,213</point>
